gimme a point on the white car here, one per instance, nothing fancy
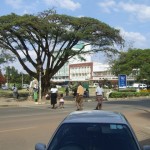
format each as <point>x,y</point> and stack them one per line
<point>94,85</point>
<point>25,86</point>
<point>142,86</point>
<point>93,130</point>
<point>139,85</point>
<point>4,87</point>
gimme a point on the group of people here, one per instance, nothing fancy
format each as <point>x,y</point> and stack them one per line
<point>53,96</point>
<point>80,93</point>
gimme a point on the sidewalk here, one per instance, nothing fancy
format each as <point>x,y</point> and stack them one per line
<point>7,102</point>
<point>10,102</point>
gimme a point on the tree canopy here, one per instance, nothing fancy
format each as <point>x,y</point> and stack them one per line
<point>47,39</point>
<point>132,60</point>
<point>6,56</point>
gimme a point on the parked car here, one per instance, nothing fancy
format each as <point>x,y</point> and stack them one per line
<point>93,130</point>
<point>4,87</point>
<point>135,85</point>
<point>94,85</point>
<point>25,86</point>
<point>139,85</point>
<point>142,86</point>
<point>58,86</point>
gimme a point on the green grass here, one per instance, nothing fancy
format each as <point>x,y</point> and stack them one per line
<point>9,93</point>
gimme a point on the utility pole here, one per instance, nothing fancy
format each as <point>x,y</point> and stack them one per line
<point>40,91</point>
<point>22,79</point>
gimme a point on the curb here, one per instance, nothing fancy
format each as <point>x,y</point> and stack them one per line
<point>8,102</point>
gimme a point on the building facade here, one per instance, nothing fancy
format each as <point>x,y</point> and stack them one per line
<point>80,71</point>
<point>83,70</point>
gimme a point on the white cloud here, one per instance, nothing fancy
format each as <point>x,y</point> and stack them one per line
<point>107,5</point>
<point>67,4</point>
<point>140,11</point>
<point>134,39</point>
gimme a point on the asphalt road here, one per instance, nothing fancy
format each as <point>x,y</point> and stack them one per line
<point>22,127</point>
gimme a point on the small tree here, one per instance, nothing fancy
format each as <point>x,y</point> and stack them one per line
<point>2,79</point>
<point>46,41</point>
<point>133,59</point>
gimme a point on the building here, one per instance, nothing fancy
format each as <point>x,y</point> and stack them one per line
<point>80,71</point>
<point>63,74</point>
<point>83,70</point>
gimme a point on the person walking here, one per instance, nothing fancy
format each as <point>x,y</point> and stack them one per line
<point>53,95</point>
<point>99,96</point>
<point>79,97</point>
<point>61,101</point>
<point>15,92</point>
<point>67,90</point>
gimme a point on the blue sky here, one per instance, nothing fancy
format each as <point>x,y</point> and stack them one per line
<point>132,17</point>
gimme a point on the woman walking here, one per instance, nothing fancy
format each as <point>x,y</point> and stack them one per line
<point>53,93</point>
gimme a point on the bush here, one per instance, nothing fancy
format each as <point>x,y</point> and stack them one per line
<point>128,94</point>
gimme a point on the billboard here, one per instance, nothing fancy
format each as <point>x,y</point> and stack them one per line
<point>122,80</point>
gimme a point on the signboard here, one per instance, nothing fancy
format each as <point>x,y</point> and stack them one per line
<point>122,81</point>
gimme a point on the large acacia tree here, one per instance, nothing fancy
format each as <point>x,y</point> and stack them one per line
<point>134,62</point>
<point>47,39</point>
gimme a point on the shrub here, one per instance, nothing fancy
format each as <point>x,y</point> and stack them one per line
<point>128,94</point>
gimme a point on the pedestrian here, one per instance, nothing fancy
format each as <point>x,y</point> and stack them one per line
<point>86,93</point>
<point>79,97</point>
<point>53,95</point>
<point>61,101</point>
<point>67,90</point>
<point>99,96</point>
<point>35,93</point>
<point>15,92</point>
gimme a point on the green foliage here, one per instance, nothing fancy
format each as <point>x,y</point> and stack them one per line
<point>132,60</point>
<point>128,90</point>
<point>50,37</point>
<point>128,94</point>
<point>6,57</point>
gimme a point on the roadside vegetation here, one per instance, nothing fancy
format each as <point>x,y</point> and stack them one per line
<point>115,93</point>
<point>121,94</point>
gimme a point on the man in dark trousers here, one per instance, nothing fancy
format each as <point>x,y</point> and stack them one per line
<point>79,97</point>
<point>99,96</point>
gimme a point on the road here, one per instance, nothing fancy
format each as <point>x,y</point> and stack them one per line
<point>22,127</point>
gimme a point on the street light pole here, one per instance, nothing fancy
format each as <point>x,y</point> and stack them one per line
<point>40,91</point>
<point>22,79</point>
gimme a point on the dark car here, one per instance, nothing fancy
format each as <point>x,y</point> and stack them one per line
<point>93,130</point>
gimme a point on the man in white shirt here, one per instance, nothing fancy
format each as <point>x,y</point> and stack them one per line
<point>99,96</point>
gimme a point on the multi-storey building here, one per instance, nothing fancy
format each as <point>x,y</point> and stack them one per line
<point>77,70</point>
<point>80,71</point>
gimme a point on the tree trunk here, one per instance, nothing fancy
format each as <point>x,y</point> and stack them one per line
<point>45,84</point>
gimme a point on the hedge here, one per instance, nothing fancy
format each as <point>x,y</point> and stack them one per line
<point>127,94</point>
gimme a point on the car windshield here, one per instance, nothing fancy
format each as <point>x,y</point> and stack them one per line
<point>93,136</point>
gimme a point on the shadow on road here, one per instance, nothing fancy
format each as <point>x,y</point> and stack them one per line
<point>145,114</point>
<point>145,142</point>
<point>141,102</point>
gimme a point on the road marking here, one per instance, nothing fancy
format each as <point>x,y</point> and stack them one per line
<point>11,130</point>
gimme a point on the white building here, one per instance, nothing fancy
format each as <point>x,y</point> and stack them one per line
<point>77,70</point>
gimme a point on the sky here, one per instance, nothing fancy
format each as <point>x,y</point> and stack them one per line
<point>132,17</point>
